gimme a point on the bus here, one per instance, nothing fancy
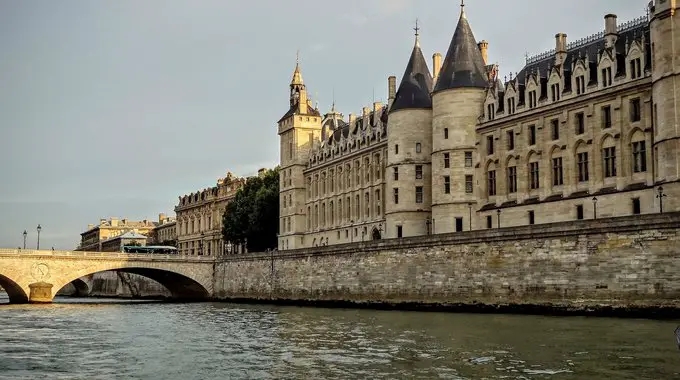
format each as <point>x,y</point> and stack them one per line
<point>150,249</point>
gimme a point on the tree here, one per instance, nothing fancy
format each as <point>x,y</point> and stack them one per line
<point>252,218</point>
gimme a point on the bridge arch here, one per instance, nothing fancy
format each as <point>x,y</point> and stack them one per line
<point>15,292</point>
<point>181,286</point>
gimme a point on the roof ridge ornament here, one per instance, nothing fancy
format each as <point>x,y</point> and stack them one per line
<point>462,9</point>
<point>417,29</point>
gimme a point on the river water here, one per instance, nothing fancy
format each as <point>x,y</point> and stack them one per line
<point>114,339</point>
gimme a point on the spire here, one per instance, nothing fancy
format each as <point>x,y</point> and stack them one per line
<point>464,65</point>
<point>416,84</point>
<point>297,75</point>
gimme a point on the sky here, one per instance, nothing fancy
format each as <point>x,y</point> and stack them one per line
<point>117,108</point>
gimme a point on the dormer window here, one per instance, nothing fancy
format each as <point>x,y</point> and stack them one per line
<point>491,111</point>
<point>555,89</point>
<point>607,77</point>
<point>635,69</point>
<point>580,85</point>
<point>532,99</point>
<point>511,106</point>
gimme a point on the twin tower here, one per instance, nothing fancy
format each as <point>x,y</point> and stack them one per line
<point>431,144</point>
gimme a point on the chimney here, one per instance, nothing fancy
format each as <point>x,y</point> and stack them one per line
<point>560,48</point>
<point>436,66</point>
<point>90,226</point>
<point>302,107</point>
<point>484,47</point>
<point>352,119</point>
<point>377,106</point>
<point>161,218</point>
<point>365,111</point>
<point>611,32</point>
<point>392,89</point>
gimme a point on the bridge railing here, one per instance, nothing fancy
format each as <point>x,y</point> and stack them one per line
<point>110,255</point>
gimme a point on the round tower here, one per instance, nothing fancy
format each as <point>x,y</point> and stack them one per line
<point>457,103</point>
<point>408,172</point>
<point>665,37</point>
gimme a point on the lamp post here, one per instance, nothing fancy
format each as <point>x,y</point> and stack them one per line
<point>661,196</point>
<point>498,212</point>
<point>38,229</point>
<point>594,207</point>
<point>428,221</point>
<point>25,234</point>
<point>470,210</point>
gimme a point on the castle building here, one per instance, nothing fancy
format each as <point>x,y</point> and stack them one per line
<point>199,219</point>
<point>590,129</point>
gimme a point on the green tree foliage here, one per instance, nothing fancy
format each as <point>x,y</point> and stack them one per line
<point>252,218</point>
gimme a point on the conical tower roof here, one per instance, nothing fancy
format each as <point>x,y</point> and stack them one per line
<point>464,65</point>
<point>416,84</point>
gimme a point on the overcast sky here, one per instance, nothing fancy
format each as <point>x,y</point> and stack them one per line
<point>116,108</point>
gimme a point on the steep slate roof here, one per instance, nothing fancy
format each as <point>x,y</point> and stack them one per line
<point>416,84</point>
<point>464,65</point>
<point>311,111</point>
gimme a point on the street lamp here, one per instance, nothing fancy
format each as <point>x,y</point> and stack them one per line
<point>470,209</point>
<point>25,234</point>
<point>594,207</point>
<point>661,196</point>
<point>38,229</point>
<point>499,217</point>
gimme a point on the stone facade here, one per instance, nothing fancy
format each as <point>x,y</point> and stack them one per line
<point>588,130</point>
<point>95,236</point>
<point>618,262</point>
<point>199,219</point>
<point>165,233</point>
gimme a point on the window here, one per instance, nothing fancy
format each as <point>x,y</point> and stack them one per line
<point>459,224</point>
<point>512,179</point>
<point>367,200</point>
<point>468,159</point>
<point>468,184</point>
<point>419,194</point>
<point>580,123</point>
<point>396,196</point>
<point>396,149</point>
<point>511,139</point>
<point>558,179</point>
<point>639,157</point>
<point>396,173</point>
<point>489,145</point>
<point>491,111</point>
<point>635,69</point>
<point>511,106</point>
<point>582,159</point>
<point>419,171</point>
<point>607,77</point>
<point>533,176</point>
<point>532,217</point>
<point>532,135</point>
<point>446,133</point>
<point>555,89</point>
<point>399,231</point>
<point>579,212</point>
<point>489,221</point>
<point>555,129</point>
<point>580,85</point>
<point>447,185</point>
<point>447,161</point>
<point>606,117</point>
<point>532,99</point>
<point>609,155</point>
<point>636,206</point>
<point>635,110</point>
<point>418,148</point>
<point>491,188</point>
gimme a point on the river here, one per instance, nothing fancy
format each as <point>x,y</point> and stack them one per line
<point>114,339</point>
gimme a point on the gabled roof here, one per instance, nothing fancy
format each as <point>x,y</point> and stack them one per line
<point>416,84</point>
<point>464,65</point>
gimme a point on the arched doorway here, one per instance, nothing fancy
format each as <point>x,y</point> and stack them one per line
<point>376,234</point>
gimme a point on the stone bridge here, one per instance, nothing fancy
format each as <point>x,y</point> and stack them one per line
<point>37,276</point>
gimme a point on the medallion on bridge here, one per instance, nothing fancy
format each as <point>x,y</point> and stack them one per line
<point>41,291</point>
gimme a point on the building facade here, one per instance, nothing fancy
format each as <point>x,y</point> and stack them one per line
<point>589,129</point>
<point>95,235</point>
<point>199,219</point>
<point>165,233</point>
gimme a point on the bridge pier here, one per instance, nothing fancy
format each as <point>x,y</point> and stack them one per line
<point>41,292</point>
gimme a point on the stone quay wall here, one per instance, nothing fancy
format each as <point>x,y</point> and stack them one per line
<point>627,262</point>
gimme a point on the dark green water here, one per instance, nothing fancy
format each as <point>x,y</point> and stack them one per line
<point>107,339</point>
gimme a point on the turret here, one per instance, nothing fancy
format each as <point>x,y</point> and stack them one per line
<point>665,39</point>
<point>457,103</point>
<point>408,171</point>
